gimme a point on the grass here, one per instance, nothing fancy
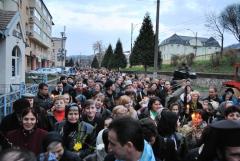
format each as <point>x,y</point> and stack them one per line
<point>198,66</point>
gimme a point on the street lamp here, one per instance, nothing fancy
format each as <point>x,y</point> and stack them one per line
<point>133,26</point>
<point>195,35</point>
<point>62,50</point>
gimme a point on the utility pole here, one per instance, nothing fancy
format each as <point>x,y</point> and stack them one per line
<point>196,45</point>
<point>131,36</point>
<point>156,41</point>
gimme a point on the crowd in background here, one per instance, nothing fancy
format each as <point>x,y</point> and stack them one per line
<point>101,115</point>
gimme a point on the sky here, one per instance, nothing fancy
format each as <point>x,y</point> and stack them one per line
<point>89,21</point>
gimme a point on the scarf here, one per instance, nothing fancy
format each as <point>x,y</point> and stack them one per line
<point>59,115</point>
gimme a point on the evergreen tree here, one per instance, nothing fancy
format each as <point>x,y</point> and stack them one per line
<point>107,57</point>
<point>95,63</point>
<point>119,60</point>
<point>143,50</point>
<point>71,62</point>
<point>77,64</point>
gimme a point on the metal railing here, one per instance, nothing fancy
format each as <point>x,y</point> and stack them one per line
<point>6,100</point>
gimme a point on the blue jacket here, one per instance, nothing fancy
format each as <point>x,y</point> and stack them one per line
<point>147,154</point>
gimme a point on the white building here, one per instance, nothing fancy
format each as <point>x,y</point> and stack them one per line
<point>12,50</point>
<point>180,45</point>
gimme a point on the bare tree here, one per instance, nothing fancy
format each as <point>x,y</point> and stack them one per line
<point>230,20</point>
<point>213,23</point>
<point>98,49</point>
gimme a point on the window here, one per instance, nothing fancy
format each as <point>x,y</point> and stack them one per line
<point>37,15</point>
<point>39,3</point>
<point>36,29</point>
<point>15,61</point>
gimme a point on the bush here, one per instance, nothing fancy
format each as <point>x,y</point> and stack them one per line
<point>215,59</point>
<point>174,60</point>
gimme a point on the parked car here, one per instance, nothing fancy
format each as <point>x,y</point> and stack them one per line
<point>44,71</point>
<point>58,69</point>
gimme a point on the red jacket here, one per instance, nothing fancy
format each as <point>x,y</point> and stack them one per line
<point>32,142</point>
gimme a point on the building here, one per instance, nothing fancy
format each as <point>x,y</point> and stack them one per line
<point>179,45</point>
<point>12,50</point>
<point>26,31</point>
<point>59,51</point>
<point>37,26</point>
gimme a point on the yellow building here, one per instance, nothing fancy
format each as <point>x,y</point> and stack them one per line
<point>37,26</point>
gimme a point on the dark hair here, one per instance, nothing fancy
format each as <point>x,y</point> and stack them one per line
<point>42,85</point>
<point>166,123</point>
<point>28,110</point>
<point>88,103</point>
<point>17,154</point>
<point>128,129</point>
<point>105,139</point>
<point>20,104</point>
<point>152,101</point>
<point>231,109</point>
<point>59,82</point>
<point>149,128</point>
<point>174,104</point>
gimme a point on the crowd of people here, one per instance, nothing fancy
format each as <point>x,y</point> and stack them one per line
<point>101,115</point>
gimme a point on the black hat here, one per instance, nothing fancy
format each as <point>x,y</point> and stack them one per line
<point>108,84</point>
<point>51,137</point>
<point>229,90</point>
<point>20,104</point>
<point>227,132</point>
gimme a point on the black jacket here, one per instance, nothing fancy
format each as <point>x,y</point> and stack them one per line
<point>67,156</point>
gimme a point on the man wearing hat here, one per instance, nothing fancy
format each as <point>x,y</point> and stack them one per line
<point>53,148</point>
<point>222,142</point>
<point>29,97</point>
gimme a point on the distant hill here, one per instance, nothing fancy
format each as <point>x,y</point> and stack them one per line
<point>233,46</point>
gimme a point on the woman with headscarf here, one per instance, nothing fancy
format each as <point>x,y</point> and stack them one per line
<point>77,134</point>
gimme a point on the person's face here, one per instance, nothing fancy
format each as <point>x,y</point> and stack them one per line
<point>232,153</point>
<point>79,84</point>
<point>44,91</point>
<point>156,106</point>
<point>90,83</point>
<point>113,87</point>
<point>119,81</point>
<point>97,88</point>
<point>70,80</point>
<point>129,103</point>
<point>91,111</point>
<point>135,85</point>
<point>73,116</point>
<point>66,98</point>
<point>60,87</point>
<point>121,112</point>
<point>59,105</point>
<point>114,146</point>
<point>194,97</point>
<point>30,100</point>
<point>29,121</point>
<point>189,89</point>
<point>175,109</point>
<point>154,87</point>
<point>233,116</point>
<point>58,151</point>
<point>98,103</point>
<point>107,122</point>
<point>212,93</point>
<point>167,85</point>
<point>205,105</point>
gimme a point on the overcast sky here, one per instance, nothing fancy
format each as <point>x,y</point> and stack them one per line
<point>88,21</point>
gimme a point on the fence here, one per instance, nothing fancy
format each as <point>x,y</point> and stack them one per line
<point>6,100</point>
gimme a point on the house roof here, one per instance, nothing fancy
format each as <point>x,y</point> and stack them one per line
<point>184,40</point>
<point>5,18</point>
